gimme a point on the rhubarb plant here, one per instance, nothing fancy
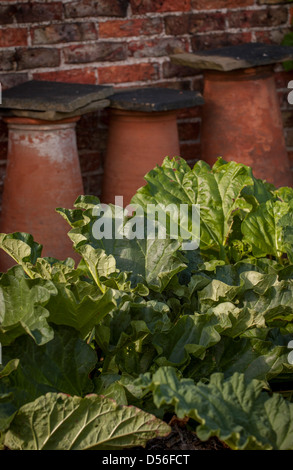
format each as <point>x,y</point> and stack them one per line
<point>98,355</point>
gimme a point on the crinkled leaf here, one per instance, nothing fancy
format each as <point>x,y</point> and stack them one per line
<point>22,307</point>
<point>8,368</point>
<point>263,229</point>
<point>7,411</point>
<point>191,335</point>
<point>81,306</point>
<point>61,365</point>
<point>57,422</point>
<point>257,358</point>
<point>126,334</point>
<point>22,248</point>
<point>98,263</point>
<point>217,191</point>
<point>234,409</point>
<point>154,260</point>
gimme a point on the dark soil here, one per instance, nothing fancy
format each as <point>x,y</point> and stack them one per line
<point>181,438</point>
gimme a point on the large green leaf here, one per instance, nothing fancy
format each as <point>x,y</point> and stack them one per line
<point>217,191</point>
<point>98,263</point>
<point>80,305</point>
<point>153,261</point>
<point>257,358</point>
<point>234,409</point>
<point>61,365</point>
<point>57,422</point>
<point>263,228</point>
<point>7,411</point>
<point>22,307</point>
<point>191,335</point>
<point>125,335</point>
<point>22,248</point>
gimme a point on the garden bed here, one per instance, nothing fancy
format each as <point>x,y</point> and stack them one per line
<point>96,356</point>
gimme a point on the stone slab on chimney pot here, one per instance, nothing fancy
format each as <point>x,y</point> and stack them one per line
<point>53,96</point>
<point>237,57</point>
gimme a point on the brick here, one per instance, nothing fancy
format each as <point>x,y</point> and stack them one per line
<point>177,25</point>
<point>128,73</point>
<point>95,52</point>
<point>82,75</point>
<point>287,117</point>
<point>89,139</point>
<point>89,136</point>
<point>30,12</point>
<point>218,4</point>
<point>69,32</point>
<point>90,162</point>
<point>157,47</point>
<point>8,80</point>
<point>171,70</point>
<point>210,41</point>
<point>37,57</point>
<point>13,37</point>
<point>192,24</point>
<point>80,9</point>
<point>131,27</point>
<point>7,60</point>
<point>258,18</point>
<point>145,6</point>
<point>289,137</point>
<point>188,130</point>
<point>94,184</point>
<point>3,151</point>
<point>90,120</point>
<point>190,151</point>
<point>189,113</point>
<point>3,132</point>
<point>274,36</point>
<point>271,2</point>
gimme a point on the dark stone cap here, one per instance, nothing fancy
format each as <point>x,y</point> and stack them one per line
<point>155,99</point>
<point>53,96</point>
<point>235,57</point>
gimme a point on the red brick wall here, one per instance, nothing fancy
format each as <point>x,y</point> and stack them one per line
<point>127,43</point>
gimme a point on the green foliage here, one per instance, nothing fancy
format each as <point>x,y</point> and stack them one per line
<point>95,355</point>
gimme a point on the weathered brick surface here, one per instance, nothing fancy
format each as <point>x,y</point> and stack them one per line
<point>35,57</point>
<point>79,9</point>
<point>33,12</point>
<point>171,70</point>
<point>69,32</point>
<point>146,6</point>
<point>80,75</point>
<point>101,51</point>
<point>10,37</point>
<point>157,47</point>
<point>192,24</point>
<point>9,80</point>
<point>208,41</point>
<point>7,59</point>
<point>143,72</point>
<point>128,43</point>
<point>188,130</point>
<point>258,18</point>
<point>218,4</point>
<point>127,28</point>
